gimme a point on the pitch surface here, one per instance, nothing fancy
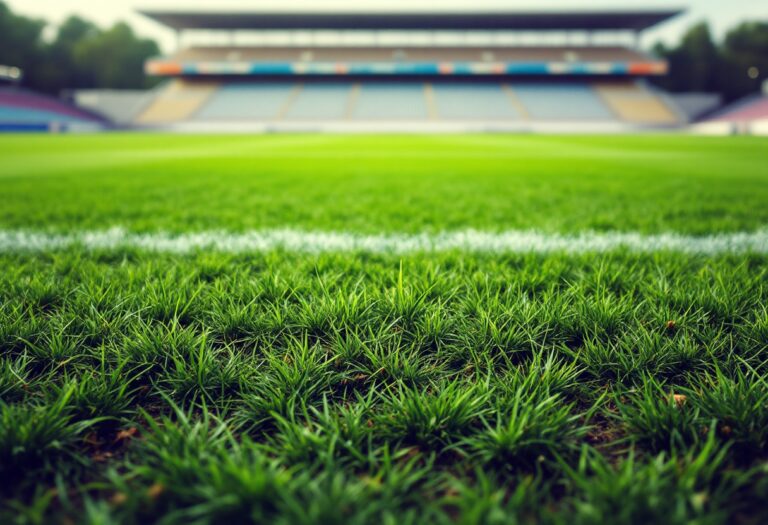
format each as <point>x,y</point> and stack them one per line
<point>613,383</point>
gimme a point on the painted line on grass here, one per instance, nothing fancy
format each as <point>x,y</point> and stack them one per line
<point>472,241</point>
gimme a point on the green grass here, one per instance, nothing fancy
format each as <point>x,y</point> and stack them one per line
<point>374,184</point>
<point>281,387</point>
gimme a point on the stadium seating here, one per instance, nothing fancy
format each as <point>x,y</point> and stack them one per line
<point>561,102</point>
<point>750,109</point>
<point>431,71</point>
<point>465,101</point>
<point>120,106</point>
<point>635,104</point>
<point>36,116</point>
<point>390,101</point>
<point>178,101</point>
<point>398,101</point>
<point>21,109</point>
<point>693,106</point>
<point>321,102</point>
<point>247,101</point>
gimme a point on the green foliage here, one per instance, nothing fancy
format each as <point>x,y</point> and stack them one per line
<point>80,56</point>
<point>114,58</point>
<point>745,52</point>
<point>20,39</point>
<point>694,63</point>
<point>734,68</point>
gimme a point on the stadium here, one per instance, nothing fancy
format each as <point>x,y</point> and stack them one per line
<point>577,71</point>
<point>363,267</point>
<point>429,87</point>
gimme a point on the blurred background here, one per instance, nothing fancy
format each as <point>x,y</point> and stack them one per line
<point>83,52</point>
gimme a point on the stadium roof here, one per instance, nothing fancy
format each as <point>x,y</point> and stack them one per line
<point>633,20</point>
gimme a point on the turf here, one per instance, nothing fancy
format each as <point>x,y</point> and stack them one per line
<point>379,184</point>
<point>283,387</point>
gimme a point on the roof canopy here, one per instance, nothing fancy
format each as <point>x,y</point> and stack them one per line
<point>631,20</point>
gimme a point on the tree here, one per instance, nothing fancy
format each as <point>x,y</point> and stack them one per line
<point>21,42</point>
<point>59,70</point>
<point>745,59</point>
<point>735,69</point>
<point>80,56</point>
<point>693,63</point>
<point>115,57</point>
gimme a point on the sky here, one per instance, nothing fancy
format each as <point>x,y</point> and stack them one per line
<point>721,14</point>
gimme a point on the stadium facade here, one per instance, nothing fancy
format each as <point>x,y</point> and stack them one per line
<point>499,74</point>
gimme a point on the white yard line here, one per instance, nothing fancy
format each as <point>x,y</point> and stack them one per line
<point>471,241</point>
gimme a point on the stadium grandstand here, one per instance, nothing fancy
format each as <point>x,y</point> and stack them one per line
<point>748,116</point>
<point>336,71</point>
<point>22,110</point>
<point>749,110</point>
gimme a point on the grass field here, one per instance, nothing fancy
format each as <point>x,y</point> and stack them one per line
<point>141,384</point>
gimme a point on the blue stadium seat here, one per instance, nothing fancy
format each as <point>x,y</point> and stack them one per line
<point>473,102</point>
<point>320,102</point>
<point>21,115</point>
<point>246,102</point>
<point>391,101</point>
<point>561,102</point>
